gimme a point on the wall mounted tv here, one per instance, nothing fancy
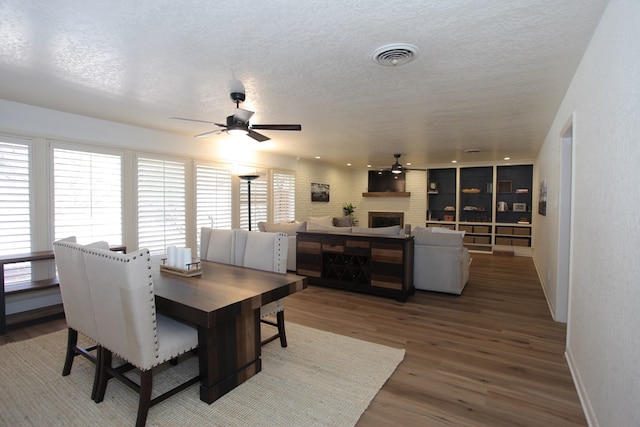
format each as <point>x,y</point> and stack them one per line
<point>385,181</point>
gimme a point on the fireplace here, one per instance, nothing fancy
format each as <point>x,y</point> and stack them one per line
<point>386,219</point>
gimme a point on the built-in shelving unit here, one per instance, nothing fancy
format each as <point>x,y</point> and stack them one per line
<point>491,204</point>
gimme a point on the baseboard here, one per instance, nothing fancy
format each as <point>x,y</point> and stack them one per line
<point>582,393</point>
<point>544,290</point>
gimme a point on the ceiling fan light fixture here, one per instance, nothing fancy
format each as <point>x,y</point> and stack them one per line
<point>237,131</point>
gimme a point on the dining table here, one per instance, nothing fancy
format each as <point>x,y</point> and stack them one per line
<point>224,304</point>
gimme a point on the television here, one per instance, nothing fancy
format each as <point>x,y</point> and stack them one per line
<point>385,181</point>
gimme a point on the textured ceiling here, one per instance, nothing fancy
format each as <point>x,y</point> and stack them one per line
<point>490,74</point>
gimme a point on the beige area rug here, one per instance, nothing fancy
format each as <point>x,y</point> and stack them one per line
<point>321,379</point>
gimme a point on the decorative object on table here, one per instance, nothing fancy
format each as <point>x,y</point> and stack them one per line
<point>319,192</point>
<point>449,208</point>
<point>522,191</point>
<point>542,198</point>
<point>519,207</point>
<point>503,207</point>
<point>178,261</point>
<point>249,178</point>
<point>433,187</point>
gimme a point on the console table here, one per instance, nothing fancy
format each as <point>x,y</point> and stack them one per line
<point>30,286</point>
<point>374,264</point>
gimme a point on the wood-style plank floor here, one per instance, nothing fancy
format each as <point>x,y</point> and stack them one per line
<point>490,357</point>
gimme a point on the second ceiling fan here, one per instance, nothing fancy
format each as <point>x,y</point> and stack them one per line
<point>238,123</point>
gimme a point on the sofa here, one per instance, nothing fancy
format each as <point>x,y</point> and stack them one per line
<point>441,262</point>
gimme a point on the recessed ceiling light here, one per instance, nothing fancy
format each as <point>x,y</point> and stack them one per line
<point>317,157</point>
<point>454,161</point>
<point>507,158</point>
<point>348,164</point>
<point>408,164</point>
<point>368,166</point>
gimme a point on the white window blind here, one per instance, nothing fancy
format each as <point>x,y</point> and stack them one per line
<point>15,218</point>
<point>87,196</point>
<point>258,203</point>
<point>284,197</point>
<point>161,204</point>
<point>213,198</point>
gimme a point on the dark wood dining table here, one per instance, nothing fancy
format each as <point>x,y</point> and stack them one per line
<point>224,303</point>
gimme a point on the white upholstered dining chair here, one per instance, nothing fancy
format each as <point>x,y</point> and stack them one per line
<point>251,249</point>
<point>76,300</point>
<point>124,304</point>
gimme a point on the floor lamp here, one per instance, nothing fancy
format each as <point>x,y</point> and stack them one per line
<point>249,178</point>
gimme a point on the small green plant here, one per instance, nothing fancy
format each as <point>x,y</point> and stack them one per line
<point>348,209</point>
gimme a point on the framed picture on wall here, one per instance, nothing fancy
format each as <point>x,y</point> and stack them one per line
<point>319,192</point>
<point>542,198</point>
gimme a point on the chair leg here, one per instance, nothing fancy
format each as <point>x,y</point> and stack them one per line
<point>72,341</point>
<point>103,365</point>
<point>96,376</point>
<point>146,384</point>
<point>281,331</point>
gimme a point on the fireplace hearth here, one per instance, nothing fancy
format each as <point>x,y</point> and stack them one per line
<point>386,219</point>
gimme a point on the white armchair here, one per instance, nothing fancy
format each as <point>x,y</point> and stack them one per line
<point>124,304</point>
<point>441,262</point>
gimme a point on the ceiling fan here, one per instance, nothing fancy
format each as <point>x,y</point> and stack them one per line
<point>238,123</point>
<point>397,168</point>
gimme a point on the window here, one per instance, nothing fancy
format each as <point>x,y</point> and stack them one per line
<point>161,204</point>
<point>87,196</point>
<point>258,203</point>
<point>213,198</point>
<point>15,218</point>
<point>284,197</point>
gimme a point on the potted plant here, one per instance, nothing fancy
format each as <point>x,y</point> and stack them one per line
<point>348,209</point>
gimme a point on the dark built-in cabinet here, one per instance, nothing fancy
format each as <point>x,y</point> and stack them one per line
<point>373,264</point>
<point>491,204</point>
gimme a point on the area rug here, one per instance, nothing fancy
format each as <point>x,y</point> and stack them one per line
<point>320,379</point>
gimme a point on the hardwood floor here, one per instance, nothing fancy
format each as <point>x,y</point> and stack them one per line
<point>490,357</point>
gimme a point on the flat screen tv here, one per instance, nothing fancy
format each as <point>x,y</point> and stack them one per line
<point>385,181</point>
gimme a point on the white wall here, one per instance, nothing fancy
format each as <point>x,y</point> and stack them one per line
<point>603,342</point>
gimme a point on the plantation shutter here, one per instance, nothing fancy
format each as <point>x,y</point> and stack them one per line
<point>15,218</point>
<point>284,197</point>
<point>87,196</point>
<point>161,204</point>
<point>258,203</point>
<point>213,198</point>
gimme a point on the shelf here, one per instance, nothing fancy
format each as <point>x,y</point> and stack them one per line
<point>388,194</point>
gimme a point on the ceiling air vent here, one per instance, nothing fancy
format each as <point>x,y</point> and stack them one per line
<point>395,54</point>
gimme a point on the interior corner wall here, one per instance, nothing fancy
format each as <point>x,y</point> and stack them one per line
<point>603,315</point>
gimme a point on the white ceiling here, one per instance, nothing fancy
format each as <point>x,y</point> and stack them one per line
<point>490,74</point>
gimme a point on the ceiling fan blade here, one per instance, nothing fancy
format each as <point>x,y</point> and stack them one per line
<point>258,136</point>
<point>211,132</point>
<point>193,120</point>
<point>277,127</point>
<point>243,115</point>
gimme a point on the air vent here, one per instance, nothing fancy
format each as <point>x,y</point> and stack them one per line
<point>395,54</point>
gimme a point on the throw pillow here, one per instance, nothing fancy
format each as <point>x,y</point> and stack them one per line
<point>321,220</point>
<point>345,221</point>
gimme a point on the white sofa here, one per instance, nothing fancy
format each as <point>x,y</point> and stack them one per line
<point>441,262</point>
